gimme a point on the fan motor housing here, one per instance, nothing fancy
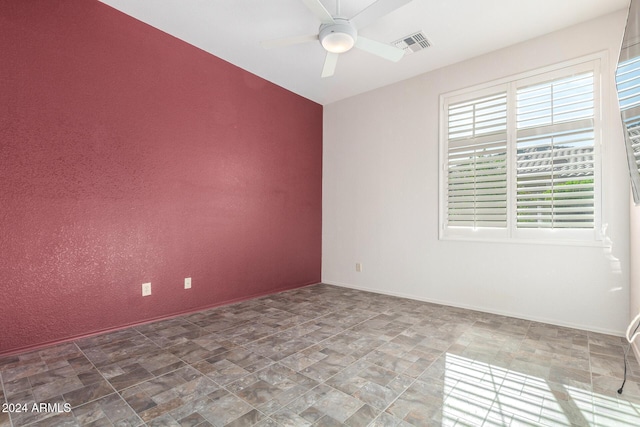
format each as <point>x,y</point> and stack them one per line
<point>338,37</point>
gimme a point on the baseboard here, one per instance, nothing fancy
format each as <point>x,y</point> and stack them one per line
<point>477,308</point>
<point>40,346</point>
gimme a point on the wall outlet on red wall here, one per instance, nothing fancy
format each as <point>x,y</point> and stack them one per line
<point>146,289</point>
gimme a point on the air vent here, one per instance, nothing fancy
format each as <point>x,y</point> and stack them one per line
<point>412,43</point>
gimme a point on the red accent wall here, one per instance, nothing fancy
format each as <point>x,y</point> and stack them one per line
<point>128,156</point>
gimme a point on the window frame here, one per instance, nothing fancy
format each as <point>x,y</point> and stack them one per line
<point>596,63</point>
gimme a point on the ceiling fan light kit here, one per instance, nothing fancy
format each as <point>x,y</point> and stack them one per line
<point>339,35</point>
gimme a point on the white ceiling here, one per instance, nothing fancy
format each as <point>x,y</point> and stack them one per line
<point>458,29</point>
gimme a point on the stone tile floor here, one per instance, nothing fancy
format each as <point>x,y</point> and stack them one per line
<point>326,356</point>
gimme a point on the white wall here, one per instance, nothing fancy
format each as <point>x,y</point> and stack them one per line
<point>380,200</point>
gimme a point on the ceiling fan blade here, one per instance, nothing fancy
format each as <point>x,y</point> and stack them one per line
<point>376,11</point>
<point>287,41</point>
<point>385,51</point>
<point>319,11</point>
<point>330,63</point>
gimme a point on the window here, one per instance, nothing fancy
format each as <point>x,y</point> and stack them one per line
<point>520,158</point>
<point>628,84</point>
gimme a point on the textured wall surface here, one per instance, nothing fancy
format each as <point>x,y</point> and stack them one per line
<point>127,156</point>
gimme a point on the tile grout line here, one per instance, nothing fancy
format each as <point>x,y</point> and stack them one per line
<point>242,346</point>
<point>4,394</point>
<point>189,364</point>
<point>110,385</point>
<point>495,400</point>
<point>368,344</point>
<point>319,342</point>
<point>445,396</point>
<point>418,377</point>
<point>591,374</point>
<point>31,390</point>
<point>414,380</point>
<point>398,373</point>
<point>274,362</point>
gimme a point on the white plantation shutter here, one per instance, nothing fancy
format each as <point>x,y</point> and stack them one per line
<point>520,156</point>
<point>633,133</point>
<point>628,85</point>
<point>555,154</point>
<point>477,162</point>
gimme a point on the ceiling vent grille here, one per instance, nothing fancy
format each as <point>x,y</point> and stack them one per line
<point>412,43</point>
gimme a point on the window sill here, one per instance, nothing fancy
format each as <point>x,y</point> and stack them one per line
<point>517,241</point>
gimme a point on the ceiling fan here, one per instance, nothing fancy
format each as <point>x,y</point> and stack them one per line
<point>338,34</point>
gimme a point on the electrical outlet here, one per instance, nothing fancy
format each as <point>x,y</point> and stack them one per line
<point>358,267</point>
<point>187,282</point>
<point>146,289</point>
